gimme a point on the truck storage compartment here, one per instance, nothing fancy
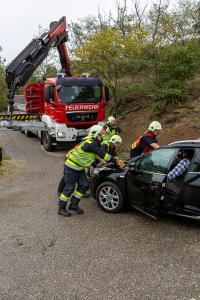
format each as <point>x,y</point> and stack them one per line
<point>35,98</point>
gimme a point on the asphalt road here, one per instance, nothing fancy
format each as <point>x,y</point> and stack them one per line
<point>91,256</point>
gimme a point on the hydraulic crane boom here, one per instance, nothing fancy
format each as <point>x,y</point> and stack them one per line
<point>22,67</point>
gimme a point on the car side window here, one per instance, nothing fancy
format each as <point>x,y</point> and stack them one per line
<point>157,161</point>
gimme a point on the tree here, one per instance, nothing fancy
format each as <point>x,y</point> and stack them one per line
<point>160,45</point>
<point>3,87</point>
<point>107,54</point>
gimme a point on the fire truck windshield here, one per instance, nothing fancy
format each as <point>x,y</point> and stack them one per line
<point>79,94</point>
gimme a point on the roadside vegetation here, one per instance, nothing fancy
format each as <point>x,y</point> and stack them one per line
<point>2,156</point>
<point>2,85</point>
<point>140,52</point>
<point>8,166</point>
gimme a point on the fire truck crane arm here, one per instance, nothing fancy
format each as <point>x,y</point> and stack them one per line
<point>22,67</point>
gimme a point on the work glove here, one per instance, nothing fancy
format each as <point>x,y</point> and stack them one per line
<point>121,163</point>
<point>101,162</point>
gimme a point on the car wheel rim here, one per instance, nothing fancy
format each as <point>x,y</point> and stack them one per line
<point>109,198</point>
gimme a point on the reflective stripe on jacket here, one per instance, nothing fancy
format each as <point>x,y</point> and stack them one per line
<point>89,138</point>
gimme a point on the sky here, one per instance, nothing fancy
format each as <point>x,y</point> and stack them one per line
<point>20,19</point>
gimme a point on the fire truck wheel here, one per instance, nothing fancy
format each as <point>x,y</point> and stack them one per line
<point>47,142</point>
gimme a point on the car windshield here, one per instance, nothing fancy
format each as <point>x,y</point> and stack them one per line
<point>79,94</point>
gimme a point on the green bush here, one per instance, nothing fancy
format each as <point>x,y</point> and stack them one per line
<point>176,64</point>
<point>131,90</point>
<point>3,89</point>
<point>126,90</point>
<point>168,96</point>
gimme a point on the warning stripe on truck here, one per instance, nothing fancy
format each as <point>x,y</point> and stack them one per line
<point>19,117</point>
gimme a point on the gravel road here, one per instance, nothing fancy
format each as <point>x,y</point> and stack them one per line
<point>91,256</point>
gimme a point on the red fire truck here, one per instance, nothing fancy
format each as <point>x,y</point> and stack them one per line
<point>61,109</point>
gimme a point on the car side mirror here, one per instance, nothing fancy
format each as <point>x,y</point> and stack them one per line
<point>107,95</point>
<point>58,87</point>
<point>49,94</point>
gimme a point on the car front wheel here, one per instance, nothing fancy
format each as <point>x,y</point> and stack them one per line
<point>109,197</point>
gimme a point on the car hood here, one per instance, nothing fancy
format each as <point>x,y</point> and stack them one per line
<point>110,168</point>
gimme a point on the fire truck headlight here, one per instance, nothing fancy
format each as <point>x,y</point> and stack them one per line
<point>61,134</point>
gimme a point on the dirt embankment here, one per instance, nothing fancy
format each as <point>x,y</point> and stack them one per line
<point>179,123</point>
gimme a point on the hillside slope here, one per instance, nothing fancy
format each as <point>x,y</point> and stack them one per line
<point>179,123</point>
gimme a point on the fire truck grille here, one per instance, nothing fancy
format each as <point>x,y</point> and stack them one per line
<point>82,117</point>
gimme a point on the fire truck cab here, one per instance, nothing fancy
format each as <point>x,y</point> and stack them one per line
<point>68,106</point>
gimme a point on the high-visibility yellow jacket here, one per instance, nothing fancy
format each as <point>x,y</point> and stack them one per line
<point>85,154</point>
<point>109,131</point>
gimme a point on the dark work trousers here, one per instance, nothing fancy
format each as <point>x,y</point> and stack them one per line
<point>70,179</point>
<point>61,185</point>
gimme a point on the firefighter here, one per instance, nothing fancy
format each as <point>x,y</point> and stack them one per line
<point>76,182</point>
<point>111,146</point>
<point>110,128</point>
<point>148,141</point>
<point>91,132</point>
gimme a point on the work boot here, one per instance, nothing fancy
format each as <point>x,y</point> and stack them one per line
<point>87,194</point>
<point>74,205</point>
<point>62,209</point>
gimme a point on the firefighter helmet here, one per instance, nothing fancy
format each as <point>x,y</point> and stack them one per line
<point>111,119</point>
<point>95,130</point>
<point>115,139</point>
<point>155,125</point>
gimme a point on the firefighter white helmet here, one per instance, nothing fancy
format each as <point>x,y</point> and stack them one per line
<point>95,130</point>
<point>155,125</point>
<point>111,119</point>
<point>116,139</point>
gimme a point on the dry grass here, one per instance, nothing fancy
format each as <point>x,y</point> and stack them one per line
<point>10,167</point>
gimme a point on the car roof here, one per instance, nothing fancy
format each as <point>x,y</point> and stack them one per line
<point>186,143</point>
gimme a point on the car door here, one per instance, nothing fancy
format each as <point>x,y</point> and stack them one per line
<point>191,186</point>
<point>146,179</point>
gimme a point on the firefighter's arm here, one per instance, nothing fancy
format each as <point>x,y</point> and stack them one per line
<point>121,163</point>
<point>154,146</point>
<point>102,155</point>
<point>109,158</point>
<point>99,151</point>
